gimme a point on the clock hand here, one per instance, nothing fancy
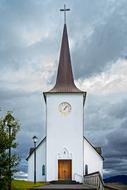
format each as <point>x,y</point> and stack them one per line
<point>65,107</point>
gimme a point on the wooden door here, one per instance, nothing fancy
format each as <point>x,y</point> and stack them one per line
<point>64,169</point>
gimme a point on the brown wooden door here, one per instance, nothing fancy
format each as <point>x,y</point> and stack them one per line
<point>64,169</point>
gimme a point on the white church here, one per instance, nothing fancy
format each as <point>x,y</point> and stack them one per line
<point>64,153</point>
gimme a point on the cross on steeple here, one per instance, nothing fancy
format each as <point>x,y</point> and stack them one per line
<point>65,9</point>
<point>64,80</point>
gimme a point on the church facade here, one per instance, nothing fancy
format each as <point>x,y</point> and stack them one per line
<point>64,153</point>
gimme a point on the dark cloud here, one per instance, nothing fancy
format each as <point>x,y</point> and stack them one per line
<point>119,110</point>
<point>106,43</point>
<point>114,152</point>
<point>29,109</point>
<point>30,35</point>
<point>105,126</point>
<point>9,94</point>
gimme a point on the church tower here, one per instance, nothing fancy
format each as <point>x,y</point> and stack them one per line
<point>64,123</point>
<point>64,153</point>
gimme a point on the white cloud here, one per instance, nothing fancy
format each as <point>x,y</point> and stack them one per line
<point>32,37</point>
<point>29,39</point>
<point>113,80</point>
<point>29,78</point>
<point>20,175</point>
<point>108,172</point>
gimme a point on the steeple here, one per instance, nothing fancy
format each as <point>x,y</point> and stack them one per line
<point>65,80</point>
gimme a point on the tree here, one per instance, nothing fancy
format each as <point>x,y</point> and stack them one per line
<point>9,127</point>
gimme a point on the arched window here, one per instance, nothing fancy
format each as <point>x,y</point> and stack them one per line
<point>43,169</point>
<point>86,169</point>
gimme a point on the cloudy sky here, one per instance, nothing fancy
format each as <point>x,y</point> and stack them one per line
<point>30,37</point>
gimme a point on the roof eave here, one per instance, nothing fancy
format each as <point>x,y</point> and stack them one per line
<point>35,148</point>
<point>94,148</point>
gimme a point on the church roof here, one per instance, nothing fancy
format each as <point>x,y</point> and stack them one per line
<point>65,80</point>
<point>32,149</point>
<point>95,148</point>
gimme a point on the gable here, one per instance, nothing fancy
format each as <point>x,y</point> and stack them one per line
<point>94,148</point>
<point>31,151</point>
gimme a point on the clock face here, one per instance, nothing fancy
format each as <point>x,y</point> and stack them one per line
<point>64,108</point>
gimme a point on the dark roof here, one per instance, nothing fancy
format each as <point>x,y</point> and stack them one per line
<point>99,150</point>
<point>95,148</point>
<point>32,149</point>
<point>65,80</point>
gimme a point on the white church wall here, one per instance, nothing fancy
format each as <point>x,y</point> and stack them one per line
<point>31,168</point>
<point>92,159</point>
<point>40,161</point>
<point>64,132</point>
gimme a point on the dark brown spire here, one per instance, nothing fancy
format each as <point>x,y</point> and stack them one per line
<point>65,81</point>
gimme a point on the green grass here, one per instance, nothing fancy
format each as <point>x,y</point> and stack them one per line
<point>25,185</point>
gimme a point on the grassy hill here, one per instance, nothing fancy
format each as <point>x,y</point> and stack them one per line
<point>24,185</point>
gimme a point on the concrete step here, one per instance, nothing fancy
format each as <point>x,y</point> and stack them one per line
<point>65,187</point>
<point>64,182</point>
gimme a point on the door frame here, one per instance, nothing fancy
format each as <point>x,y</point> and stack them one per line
<point>70,168</point>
